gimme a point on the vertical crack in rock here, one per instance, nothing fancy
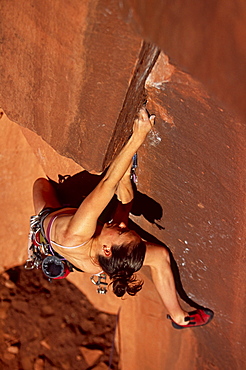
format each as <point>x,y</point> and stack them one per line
<point>135,97</point>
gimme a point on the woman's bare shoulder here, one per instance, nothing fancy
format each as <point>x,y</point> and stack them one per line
<point>61,219</point>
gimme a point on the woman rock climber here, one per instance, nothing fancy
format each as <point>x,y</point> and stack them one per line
<point>77,236</point>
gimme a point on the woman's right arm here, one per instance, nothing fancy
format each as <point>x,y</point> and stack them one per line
<point>85,220</point>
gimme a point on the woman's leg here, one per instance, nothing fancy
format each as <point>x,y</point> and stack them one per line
<point>44,195</point>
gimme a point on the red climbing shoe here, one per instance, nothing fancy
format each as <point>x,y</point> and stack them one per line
<point>199,317</point>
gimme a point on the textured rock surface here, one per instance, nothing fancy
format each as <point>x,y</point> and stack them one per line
<point>70,76</point>
<point>196,172</point>
<point>192,163</point>
<point>41,326</point>
<point>19,167</point>
<point>203,38</point>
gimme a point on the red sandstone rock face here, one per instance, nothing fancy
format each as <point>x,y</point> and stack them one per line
<point>70,74</point>
<point>203,38</point>
<point>192,163</point>
<point>19,167</point>
<point>196,172</point>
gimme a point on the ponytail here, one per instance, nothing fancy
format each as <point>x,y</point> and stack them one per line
<point>122,283</point>
<point>122,265</point>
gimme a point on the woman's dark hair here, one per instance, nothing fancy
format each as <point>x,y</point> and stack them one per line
<point>125,260</point>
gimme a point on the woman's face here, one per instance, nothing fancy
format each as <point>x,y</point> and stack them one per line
<point>117,234</point>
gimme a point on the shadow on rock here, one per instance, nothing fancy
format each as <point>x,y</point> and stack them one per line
<point>72,190</point>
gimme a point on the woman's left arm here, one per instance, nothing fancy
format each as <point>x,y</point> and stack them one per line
<point>85,219</point>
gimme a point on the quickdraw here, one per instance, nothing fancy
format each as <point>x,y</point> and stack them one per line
<point>133,176</point>
<point>101,276</point>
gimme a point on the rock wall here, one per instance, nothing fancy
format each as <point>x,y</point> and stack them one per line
<point>69,78</point>
<point>202,38</point>
<point>196,172</point>
<point>19,167</point>
<point>77,81</point>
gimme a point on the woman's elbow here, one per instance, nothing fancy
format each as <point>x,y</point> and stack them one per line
<point>108,183</point>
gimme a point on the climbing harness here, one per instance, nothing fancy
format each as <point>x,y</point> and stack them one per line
<point>40,253</point>
<point>42,256</point>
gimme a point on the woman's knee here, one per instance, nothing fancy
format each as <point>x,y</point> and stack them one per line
<point>44,195</point>
<point>41,183</point>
